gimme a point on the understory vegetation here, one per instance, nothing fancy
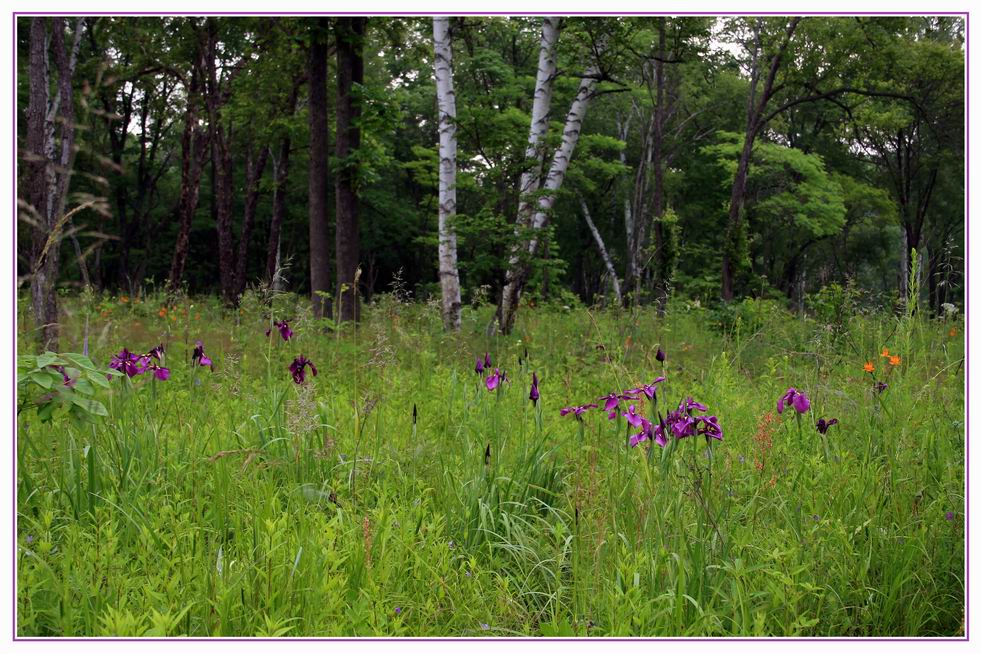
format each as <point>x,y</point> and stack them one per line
<point>389,492</point>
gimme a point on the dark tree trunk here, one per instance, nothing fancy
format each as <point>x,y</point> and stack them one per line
<point>39,173</point>
<point>194,151</point>
<point>222,162</point>
<point>253,175</point>
<point>50,151</point>
<point>319,232</point>
<point>350,72</point>
<point>755,120</point>
<point>280,180</point>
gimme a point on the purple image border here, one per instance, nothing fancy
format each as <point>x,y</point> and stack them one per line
<point>967,199</point>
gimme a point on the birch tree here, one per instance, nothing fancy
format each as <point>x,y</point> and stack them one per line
<point>535,158</point>
<point>519,265</point>
<point>449,276</point>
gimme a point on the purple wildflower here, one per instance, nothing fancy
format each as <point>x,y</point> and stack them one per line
<point>487,360</point>
<point>159,372</point>
<point>660,356</point>
<point>127,362</point>
<point>798,399</point>
<point>710,427</point>
<point>611,402</point>
<point>156,352</point>
<point>650,390</point>
<point>633,417</point>
<point>497,378</point>
<point>284,329</point>
<point>398,610</point>
<point>646,432</point>
<point>298,369</point>
<point>823,425</point>
<point>881,386</point>
<point>200,358</point>
<point>533,394</point>
<point>479,367</point>
<point>578,410</point>
<point>949,516</point>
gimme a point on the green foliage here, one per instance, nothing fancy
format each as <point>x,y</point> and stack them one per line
<point>237,503</point>
<point>61,384</point>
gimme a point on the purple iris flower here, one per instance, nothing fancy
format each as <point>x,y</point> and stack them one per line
<point>823,425</point>
<point>159,372</point>
<point>646,432</point>
<point>578,410</point>
<point>65,379</point>
<point>650,390</point>
<point>533,395</point>
<point>284,329</point>
<point>298,368</point>
<point>796,398</point>
<point>487,360</point>
<point>690,405</point>
<point>610,404</point>
<point>633,417</point>
<point>479,367</point>
<point>881,386</point>
<point>681,424</point>
<point>496,378</point>
<point>661,433</point>
<point>660,356</point>
<point>127,362</point>
<point>200,358</point>
<point>710,427</point>
<point>156,352</point>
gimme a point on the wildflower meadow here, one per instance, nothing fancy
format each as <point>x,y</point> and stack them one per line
<point>490,326</point>
<point>599,473</point>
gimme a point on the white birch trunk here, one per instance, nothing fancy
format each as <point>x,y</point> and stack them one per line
<point>449,276</point>
<point>535,159</point>
<point>603,253</point>
<point>518,268</point>
<point>540,114</point>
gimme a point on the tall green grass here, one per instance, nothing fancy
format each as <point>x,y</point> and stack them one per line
<point>239,503</point>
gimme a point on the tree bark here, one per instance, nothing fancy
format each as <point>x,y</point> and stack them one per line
<point>350,73</point>
<point>253,176</point>
<point>317,204</point>
<point>610,268</point>
<point>281,167</point>
<point>50,153</point>
<point>194,155</point>
<point>755,121</point>
<point>519,266</point>
<point>449,276</point>
<point>535,158</point>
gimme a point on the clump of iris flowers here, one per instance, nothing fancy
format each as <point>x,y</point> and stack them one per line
<point>132,364</point>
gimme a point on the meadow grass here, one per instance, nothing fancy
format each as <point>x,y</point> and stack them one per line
<point>238,503</point>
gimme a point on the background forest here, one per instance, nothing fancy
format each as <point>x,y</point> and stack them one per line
<point>704,158</point>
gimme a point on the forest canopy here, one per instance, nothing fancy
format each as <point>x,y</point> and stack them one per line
<point>622,160</point>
